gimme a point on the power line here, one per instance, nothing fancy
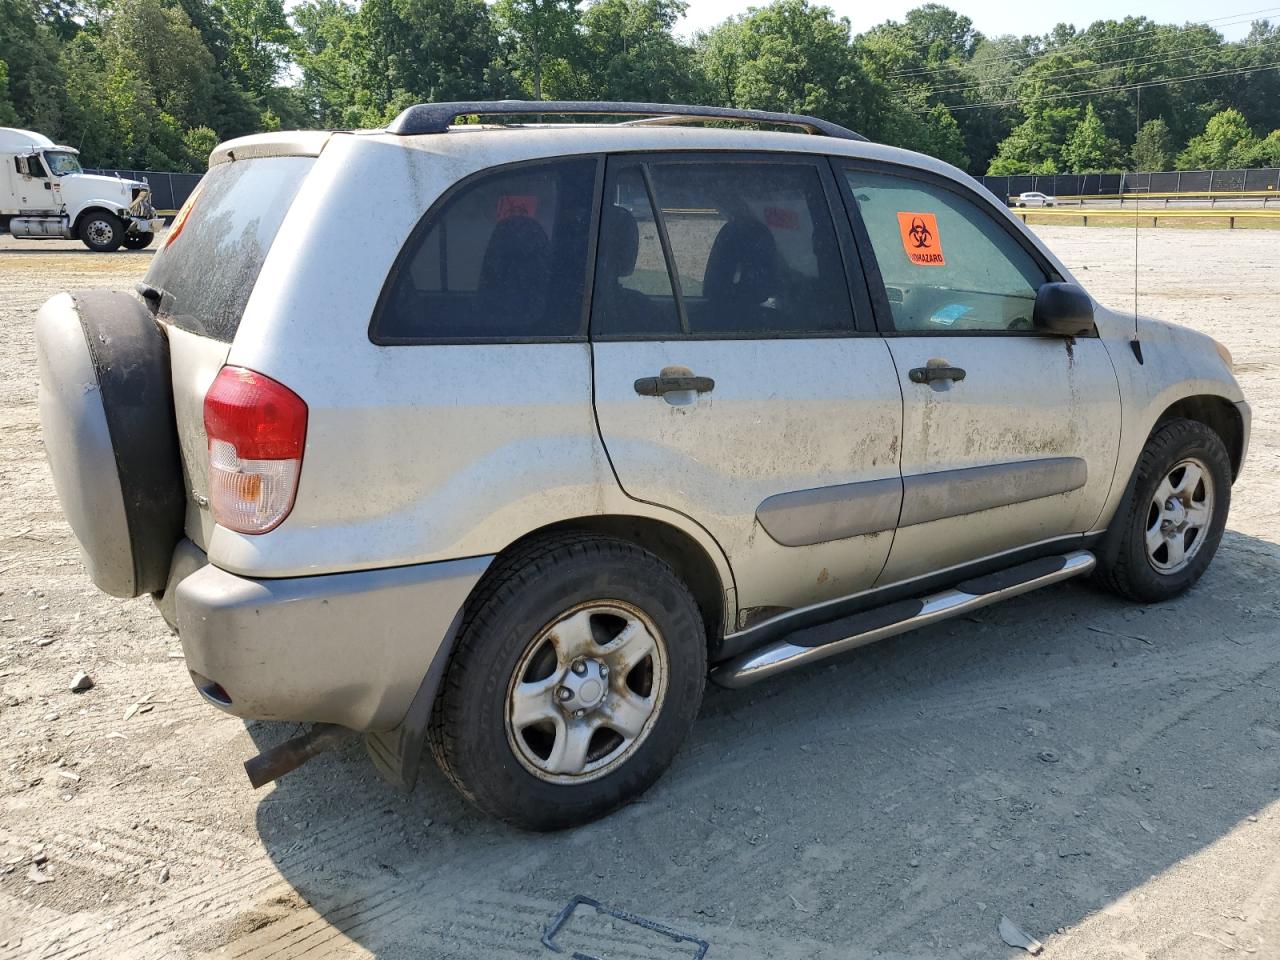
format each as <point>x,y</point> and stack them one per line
<point>1108,65</point>
<point>1086,43</point>
<point>1140,85</point>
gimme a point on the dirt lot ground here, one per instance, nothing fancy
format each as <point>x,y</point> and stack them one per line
<point>1106,775</point>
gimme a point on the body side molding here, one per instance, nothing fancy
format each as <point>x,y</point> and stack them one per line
<point>801,518</point>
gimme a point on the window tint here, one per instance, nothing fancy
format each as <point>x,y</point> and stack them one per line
<point>947,265</point>
<point>504,258</point>
<point>752,245</point>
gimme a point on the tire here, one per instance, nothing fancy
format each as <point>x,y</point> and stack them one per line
<point>138,241</point>
<point>109,432</point>
<point>101,232</point>
<point>1128,563</point>
<point>538,610</point>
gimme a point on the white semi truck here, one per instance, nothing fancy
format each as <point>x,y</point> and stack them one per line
<point>45,195</point>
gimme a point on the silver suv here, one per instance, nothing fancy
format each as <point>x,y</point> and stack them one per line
<point>503,436</point>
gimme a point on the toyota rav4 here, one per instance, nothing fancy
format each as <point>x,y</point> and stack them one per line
<point>593,411</point>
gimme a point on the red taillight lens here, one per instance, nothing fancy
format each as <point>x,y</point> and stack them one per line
<point>256,429</point>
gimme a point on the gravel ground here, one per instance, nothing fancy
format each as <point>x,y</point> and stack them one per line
<point>1105,775</point>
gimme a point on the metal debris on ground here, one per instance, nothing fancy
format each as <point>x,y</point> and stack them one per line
<point>1015,936</point>
<point>562,918</point>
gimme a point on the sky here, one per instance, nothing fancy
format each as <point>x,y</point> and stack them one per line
<point>996,17</point>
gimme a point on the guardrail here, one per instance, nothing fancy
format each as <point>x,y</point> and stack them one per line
<point>1139,196</point>
<point>1126,217</point>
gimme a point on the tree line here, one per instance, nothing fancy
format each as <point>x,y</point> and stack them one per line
<point>156,84</point>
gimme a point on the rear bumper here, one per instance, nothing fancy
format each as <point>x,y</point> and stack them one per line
<point>347,648</point>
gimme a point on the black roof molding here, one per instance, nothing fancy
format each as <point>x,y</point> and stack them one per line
<point>439,117</point>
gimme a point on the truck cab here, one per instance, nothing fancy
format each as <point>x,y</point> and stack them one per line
<point>46,195</point>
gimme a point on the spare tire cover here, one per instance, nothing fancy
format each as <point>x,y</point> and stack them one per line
<point>106,414</point>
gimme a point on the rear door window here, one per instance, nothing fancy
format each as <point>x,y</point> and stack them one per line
<point>214,251</point>
<point>718,248</point>
<point>503,258</point>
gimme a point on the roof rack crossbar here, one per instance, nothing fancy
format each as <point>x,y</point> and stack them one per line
<point>439,117</point>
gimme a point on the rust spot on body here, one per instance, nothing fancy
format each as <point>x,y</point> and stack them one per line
<point>824,576</point>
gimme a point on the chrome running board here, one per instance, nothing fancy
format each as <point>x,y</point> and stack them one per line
<point>828,639</point>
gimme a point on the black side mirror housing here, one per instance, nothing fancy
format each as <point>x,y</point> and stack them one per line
<point>1063,309</point>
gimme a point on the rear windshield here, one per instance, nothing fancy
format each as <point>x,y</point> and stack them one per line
<point>210,262</point>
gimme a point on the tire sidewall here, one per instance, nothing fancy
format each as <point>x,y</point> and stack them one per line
<point>1202,444</point>
<point>485,760</point>
<point>117,232</point>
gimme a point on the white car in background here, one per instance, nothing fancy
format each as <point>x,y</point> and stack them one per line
<point>1034,199</point>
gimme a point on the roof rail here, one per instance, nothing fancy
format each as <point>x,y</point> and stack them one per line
<point>439,117</point>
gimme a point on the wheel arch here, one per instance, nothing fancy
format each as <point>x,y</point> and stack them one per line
<point>679,549</point>
<point>1218,414</point>
<point>93,206</point>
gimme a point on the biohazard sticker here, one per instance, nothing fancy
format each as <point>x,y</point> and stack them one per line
<point>920,239</point>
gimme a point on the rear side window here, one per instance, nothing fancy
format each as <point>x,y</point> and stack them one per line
<point>948,266</point>
<point>214,251</point>
<point>503,258</point>
<point>751,251</point>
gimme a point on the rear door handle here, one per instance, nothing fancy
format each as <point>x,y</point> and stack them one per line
<point>667,383</point>
<point>933,374</point>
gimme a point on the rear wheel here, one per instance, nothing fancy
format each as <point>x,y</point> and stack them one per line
<point>138,241</point>
<point>578,672</point>
<point>101,232</point>
<point>1166,532</point>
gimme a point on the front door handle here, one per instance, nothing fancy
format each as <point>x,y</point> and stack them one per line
<point>934,372</point>
<point>671,382</point>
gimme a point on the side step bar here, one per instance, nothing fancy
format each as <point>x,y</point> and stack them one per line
<point>828,639</point>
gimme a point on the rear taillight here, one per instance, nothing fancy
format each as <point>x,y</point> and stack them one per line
<point>256,429</point>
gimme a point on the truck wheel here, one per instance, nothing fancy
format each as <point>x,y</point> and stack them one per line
<point>578,672</point>
<point>138,241</point>
<point>101,232</point>
<point>1167,529</point>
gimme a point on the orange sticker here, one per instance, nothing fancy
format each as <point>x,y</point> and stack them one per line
<point>920,239</point>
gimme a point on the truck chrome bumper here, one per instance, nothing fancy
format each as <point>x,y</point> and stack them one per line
<point>344,648</point>
<point>145,224</point>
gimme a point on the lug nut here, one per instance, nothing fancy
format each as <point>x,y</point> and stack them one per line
<point>579,714</point>
<point>579,667</point>
<point>604,669</point>
<point>564,693</point>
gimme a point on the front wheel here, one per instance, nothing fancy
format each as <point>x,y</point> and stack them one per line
<point>101,232</point>
<point>1167,529</point>
<point>138,241</point>
<point>578,672</point>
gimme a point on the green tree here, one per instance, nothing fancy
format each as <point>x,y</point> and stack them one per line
<point>8,115</point>
<point>540,34</point>
<point>1035,145</point>
<point>1089,149</point>
<point>626,51</point>
<point>1226,141</point>
<point>31,52</point>
<point>199,143</point>
<point>1153,147</point>
<point>794,56</point>
<point>260,38</point>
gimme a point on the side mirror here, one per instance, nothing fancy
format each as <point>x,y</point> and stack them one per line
<point>1063,309</point>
